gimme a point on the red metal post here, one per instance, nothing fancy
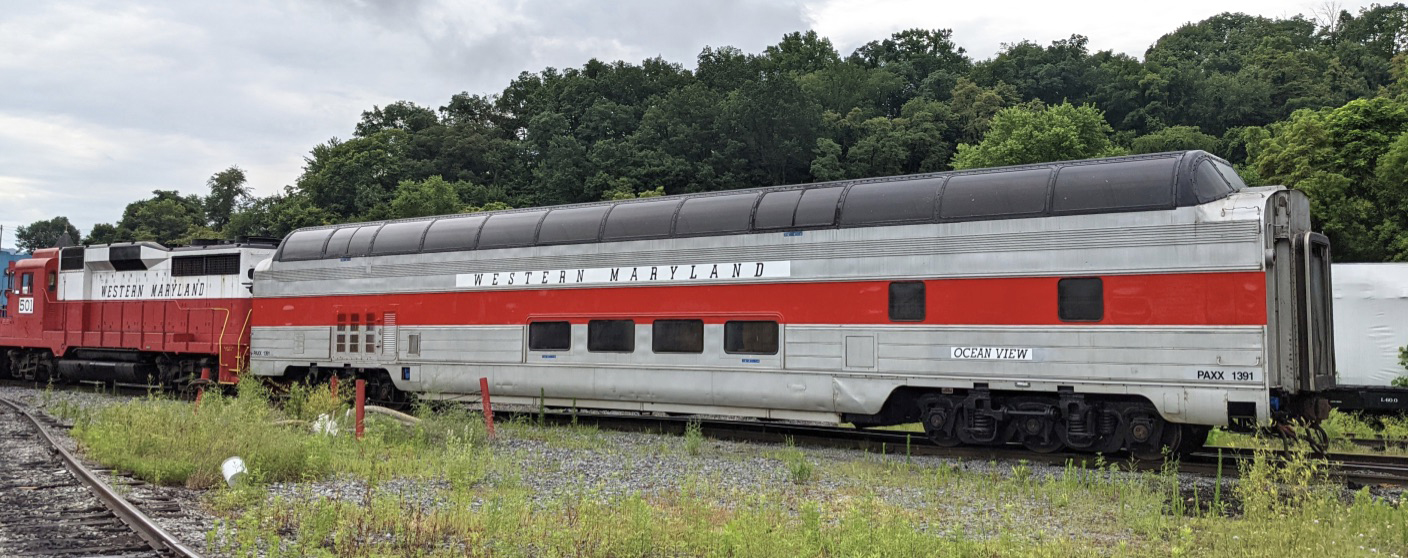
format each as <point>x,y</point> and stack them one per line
<point>361,407</point>
<point>332,384</point>
<point>488,409</point>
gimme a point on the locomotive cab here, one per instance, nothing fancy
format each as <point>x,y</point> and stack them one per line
<point>31,289</point>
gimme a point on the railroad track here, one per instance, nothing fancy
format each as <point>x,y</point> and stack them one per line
<point>54,506</point>
<point>1354,469</point>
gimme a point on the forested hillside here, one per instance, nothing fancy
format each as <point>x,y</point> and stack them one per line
<point>1318,106</point>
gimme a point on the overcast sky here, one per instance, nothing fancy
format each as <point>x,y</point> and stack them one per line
<point>102,102</point>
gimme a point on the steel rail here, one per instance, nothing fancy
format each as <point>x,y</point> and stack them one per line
<point>143,526</point>
<point>1356,468</point>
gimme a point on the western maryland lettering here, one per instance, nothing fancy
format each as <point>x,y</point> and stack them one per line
<point>155,290</point>
<point>712,272</point>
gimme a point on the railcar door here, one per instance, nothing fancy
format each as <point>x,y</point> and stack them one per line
<point>1316,318</point>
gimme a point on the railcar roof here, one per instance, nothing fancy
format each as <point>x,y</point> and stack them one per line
<point>1110,185</point>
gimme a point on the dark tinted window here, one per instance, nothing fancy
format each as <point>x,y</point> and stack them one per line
<point>753,338</point>
<point>71,259</point>
<point>549,336</point>
<point>776,209</point>
<point>337,244</point>
<point>907,301</point>
<point>1230,174</point>
<point>510,229</point>
<point>611,336</point>
<point>456,233</point>
<point>1208,184</point>
<point>640,220</point>
<point>995,194</point>
<point>1128,185</point>
<point>305,245</point>
<point>818,207</point>
<point>677,336</point>
<point>1080,300</point>
<point>563,226</point>
<point>715,214</point>
<point>361,243</point>
<point>889,202</point>
<point>399,238</point>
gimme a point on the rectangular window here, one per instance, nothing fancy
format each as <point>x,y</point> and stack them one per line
<point>677,336</point>
<point>26,283</point>
<point>550,336</point>
<point>1080,300</point>
<point>907,301</point>
<point>750,338</point>
<point>71,259</point>
<point>369,335</point>
<point>53,281</point>
<point>611,336</point>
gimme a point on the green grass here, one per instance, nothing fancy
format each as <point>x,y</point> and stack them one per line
<point>866,505</point>
<point>172,442</point>
<point>1340,427</point>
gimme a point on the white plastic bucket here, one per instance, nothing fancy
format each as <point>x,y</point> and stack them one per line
<point>233,469</point>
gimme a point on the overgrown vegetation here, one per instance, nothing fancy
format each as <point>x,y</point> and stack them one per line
<point>1343,429</point>
<point>172,442</point>
<point>467,496</point>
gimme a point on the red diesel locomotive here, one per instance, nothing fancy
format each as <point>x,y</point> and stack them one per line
<point>136,313</point>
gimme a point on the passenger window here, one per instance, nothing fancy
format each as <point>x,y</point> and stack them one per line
<point>550,336</point>
<point>341,346</point>
<point>611,336</point>
<point>1129,185</point>
<point>1230,174</point>
<point>1208,184</point>
<point>995,194</point>
<point>26,283</point>
<point>715,214</point>
<point>1080,300</point>
<point>891,202</point>
<point>777,208</point>
<point>818,207</point>
<point>907,301</point>
<point>750,338</point>
<point>677,336</point>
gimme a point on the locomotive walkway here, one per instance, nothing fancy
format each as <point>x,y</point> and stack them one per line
<point>54,506</point>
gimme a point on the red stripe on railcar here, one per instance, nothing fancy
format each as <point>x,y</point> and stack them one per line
<point>1233,298</point>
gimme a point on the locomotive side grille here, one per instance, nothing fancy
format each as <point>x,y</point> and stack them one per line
<point>194,266</point>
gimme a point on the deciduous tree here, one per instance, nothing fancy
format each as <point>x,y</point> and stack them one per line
<point>45,233</point>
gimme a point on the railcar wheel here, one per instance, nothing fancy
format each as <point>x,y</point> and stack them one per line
<point>1149,437</point>
<point>1037,433</point>
<point>1194,438</point>
<point>938,415</point>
